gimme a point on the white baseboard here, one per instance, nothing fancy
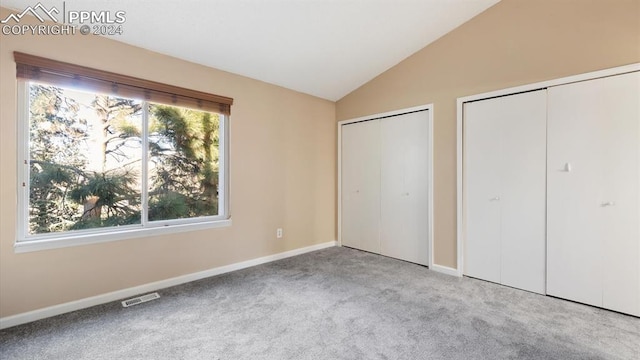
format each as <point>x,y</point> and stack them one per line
<point>445,270</point>
<point>50,311</point>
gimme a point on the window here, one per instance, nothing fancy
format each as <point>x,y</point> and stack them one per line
<point>107,156</point>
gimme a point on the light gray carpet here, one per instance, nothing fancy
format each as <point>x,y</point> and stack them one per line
<point>336,303</point>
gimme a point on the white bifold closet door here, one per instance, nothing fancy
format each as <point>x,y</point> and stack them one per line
<point>404,179</point>
<point>593,234</point>
<point>504,190</point>
<point>385,182</point>
<point>361,186</point>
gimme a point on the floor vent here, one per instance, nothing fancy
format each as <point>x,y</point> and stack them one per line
<point>140,299</point>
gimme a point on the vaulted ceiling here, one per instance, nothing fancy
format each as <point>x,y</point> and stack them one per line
<point>325,48</point>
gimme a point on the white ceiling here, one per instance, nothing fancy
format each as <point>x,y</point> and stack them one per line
<point>325,48</point>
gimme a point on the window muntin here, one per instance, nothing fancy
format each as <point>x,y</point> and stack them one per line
<point>97,162</point>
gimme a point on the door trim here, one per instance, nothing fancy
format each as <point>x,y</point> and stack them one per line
<point>460,226</point>
<point>428,107</point>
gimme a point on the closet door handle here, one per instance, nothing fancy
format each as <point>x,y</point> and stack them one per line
<point>495,198</point>
<point>608,203</point>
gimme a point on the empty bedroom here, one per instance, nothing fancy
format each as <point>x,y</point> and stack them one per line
<point>320,179</point>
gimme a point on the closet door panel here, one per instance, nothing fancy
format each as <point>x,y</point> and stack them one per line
<point>575,182</point>
<point>523,193</point>
<point>482,186</point>
<point>593,233</point>
<point>404,187</point>
<point>621,193</point>
<point>360,221</point>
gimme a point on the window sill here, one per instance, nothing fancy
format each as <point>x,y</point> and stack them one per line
<point>26,245</point>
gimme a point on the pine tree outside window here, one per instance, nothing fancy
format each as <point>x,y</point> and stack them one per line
<point>105,160</point>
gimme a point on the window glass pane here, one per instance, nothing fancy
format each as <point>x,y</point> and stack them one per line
<point>183,162</point>
<point>85,160</point>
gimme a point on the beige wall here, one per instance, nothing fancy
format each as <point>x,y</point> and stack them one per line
<point>282,175</point>
<point>513,43</point>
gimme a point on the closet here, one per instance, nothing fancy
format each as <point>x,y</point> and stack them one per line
<point>551,190</point>
<point>384,186</point>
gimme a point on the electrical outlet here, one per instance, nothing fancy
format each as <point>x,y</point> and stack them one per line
<point>279,233</point>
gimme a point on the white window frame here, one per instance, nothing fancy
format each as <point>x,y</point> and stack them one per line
<point>26,242</point>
